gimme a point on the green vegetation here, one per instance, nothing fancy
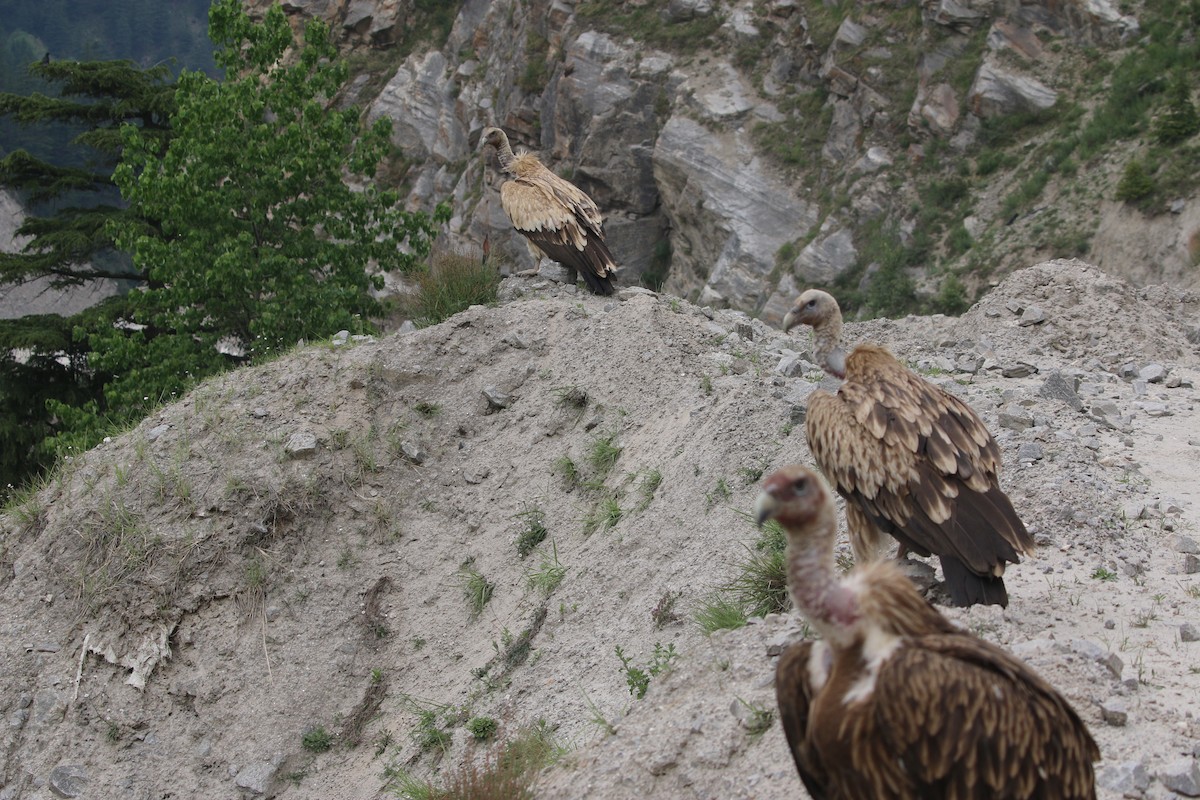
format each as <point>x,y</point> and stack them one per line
<point>317,740</point>
<point>638,678</point>
<point>452,283</point>
<point>482,728</point>
<point>536,73</point>
<point>758,588</point>
<point>476,589</point>
<point>645,23</point>
<point>532,523</point>
<point>1135,183</point>
<point>549,572</point>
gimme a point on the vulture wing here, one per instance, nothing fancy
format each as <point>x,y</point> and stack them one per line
<point>954,716</point>
<point>794,695</point>
<point>561,220</point>
<point>919,464</point>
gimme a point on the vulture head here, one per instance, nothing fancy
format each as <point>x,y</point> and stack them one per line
<point>820,311</point>
<point>796,497</point>
<point>494,137</point>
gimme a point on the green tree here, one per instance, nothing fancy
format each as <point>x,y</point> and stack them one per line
<point>260,239</point>
<point>1179,120</point>
<point>1135,184</point>
<point>72,202</point>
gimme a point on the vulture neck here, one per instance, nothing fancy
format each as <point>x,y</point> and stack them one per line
<point>827,345</point>
<point>505,155</point>
<point>830,605</point>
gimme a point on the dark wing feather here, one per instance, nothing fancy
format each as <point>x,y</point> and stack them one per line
<point>967,720</point>
<point>794,695</point>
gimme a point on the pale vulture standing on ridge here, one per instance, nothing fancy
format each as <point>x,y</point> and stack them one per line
<point>896,703</point>
<point>911,460</point>
<point>553,214</point>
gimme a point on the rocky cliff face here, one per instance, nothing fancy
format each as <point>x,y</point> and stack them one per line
<point>741,149</point>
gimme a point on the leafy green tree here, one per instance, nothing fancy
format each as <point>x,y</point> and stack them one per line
<point>260,238</point>
<point>72,202</point>
<point>1179,120</point>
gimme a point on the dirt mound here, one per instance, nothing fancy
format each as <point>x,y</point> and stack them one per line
<point>303,578</point>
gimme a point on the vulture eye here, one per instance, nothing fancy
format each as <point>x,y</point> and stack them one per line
<point>800,485</point>
<point>810,304</point>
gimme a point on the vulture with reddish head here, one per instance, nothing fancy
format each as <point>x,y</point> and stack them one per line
<point>911,460</point>
<point>553,214</point>
<point>894,701</point>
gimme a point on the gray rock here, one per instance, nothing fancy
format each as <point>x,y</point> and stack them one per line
<point>998,91</point>
<point>731,215</point>
<point>1115,712</point>
<point>340,338</point>
<point>1058,387</point>
<point>1126,777</point>
<point>413,452</point>
<point>791,366</point>
<point>48,707</point>
<point>1185,544</point>
<point>1191,564</point>
<point>68,780</point>
<point>1188,633</point>
<point>1183,776</point>
<point>1032,315</point>
<point>157,431</point>
<point>256,777</point>
<point>1030,452</point>
<point>1153,373</point>
<point>420,102</point>
<point>827,256</point>
<point>1020,369</point>
<point>301,444</point>
<point>1019,421</point>
<point>496,398</point>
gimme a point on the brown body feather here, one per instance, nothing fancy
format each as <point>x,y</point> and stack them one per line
<point>553,214</point>
<point>917,463</point>
<point>896,702</point>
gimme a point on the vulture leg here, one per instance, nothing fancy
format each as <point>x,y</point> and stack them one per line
<point>866,540</point>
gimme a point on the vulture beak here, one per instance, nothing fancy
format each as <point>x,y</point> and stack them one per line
<point>764,508</point>
<point>790,320</point>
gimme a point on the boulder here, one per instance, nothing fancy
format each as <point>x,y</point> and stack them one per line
<point>998,91</point>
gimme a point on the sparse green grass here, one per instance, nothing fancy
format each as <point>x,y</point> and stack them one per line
<point>1104,574</point>
<point>427,409</point>
<point>566,470</point>
<point>532,532</point>
<point>317,740</point>
<point>476,589</point>
<point>759,720</point>
<point>549,573</point>
<point>638,678</point>
<point>571,397</point>
<point>706,385</point>
<point>719,494</point>
<point>453,283</point>
<point>718,612</point>
<point>603,454</point>
<point>602,516</point>
<point>651,480</point>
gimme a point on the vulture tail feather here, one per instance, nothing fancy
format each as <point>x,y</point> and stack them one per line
<point>968,589</point>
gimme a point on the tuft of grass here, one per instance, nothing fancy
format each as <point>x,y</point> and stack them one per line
<point>571,397</point>
<point>317,740</point>
<point>759,720</point>
<point>533,530</point>
<point>452,283</point>
<point>549,573</point>
<point>1103,574</point>
<point>604,515</point>
<point>603,455</point>
<point>649,484</point>
<point>718,613</point>
<point>476,589</point>
<point>565,469</point>
<point>719,494</point>
<point>427,409</point>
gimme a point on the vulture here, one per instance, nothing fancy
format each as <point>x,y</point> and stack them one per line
<point>911,460</point>
<point>896,702</point>
<point>553,214</point>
